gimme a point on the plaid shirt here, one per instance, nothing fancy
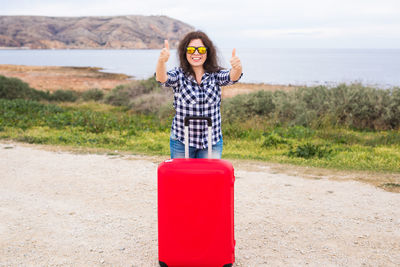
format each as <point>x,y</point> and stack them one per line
<point>192,99</point>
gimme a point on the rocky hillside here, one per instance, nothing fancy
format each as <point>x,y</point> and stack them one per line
<point>37,32</point>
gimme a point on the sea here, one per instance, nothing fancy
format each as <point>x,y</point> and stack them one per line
<point>373,67</point>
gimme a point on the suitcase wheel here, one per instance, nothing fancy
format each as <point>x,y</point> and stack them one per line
<point>228,265</point>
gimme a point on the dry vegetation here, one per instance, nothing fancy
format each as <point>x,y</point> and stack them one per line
<point>288,126</point>
<point>246,88</point>
<point>52,78</point>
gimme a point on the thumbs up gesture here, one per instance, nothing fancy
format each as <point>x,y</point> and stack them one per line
<point>236,70</point>
<point>164,55</point>
<point>235,61</point>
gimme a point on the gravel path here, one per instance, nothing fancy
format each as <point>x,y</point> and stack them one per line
<point>61,209</point>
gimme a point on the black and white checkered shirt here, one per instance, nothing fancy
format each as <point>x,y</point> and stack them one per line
<point>192,99</point>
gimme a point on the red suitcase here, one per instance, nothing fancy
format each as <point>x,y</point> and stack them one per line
<point>195,211</point>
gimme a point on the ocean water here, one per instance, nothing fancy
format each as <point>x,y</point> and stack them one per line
<point>375,67</point>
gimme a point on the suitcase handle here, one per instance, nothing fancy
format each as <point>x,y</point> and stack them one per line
<point>209,124</point>
<point>190,118</point>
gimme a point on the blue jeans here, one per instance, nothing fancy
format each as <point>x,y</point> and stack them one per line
<point>178,150</point>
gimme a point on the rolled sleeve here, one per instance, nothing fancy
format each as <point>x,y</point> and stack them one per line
<point>223,78</point>
<point>172,78</point>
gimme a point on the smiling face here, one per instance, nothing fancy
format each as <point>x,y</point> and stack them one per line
<point>196,59</point>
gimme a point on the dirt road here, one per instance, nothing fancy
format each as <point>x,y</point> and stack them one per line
<point>59,208</point>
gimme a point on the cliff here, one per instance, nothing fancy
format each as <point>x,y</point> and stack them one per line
<point>119,32</point>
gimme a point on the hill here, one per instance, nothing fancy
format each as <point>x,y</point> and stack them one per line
<point>118,32</point>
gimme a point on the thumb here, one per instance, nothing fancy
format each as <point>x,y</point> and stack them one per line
<point>234,52</point>
<point>166,44</point>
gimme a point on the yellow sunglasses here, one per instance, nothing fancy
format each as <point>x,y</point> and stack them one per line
<point>192,49</point>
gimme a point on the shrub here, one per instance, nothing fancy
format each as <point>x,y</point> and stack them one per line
<point>354,106</point>
<point>149,85</point>
<point>246,106</point>
<point>311,105</point>
<point>261,103</point>
<point>309,150</point>
<point>272,139</point>
<point>394,108</point>
<point>14,88</point>
<point>93,94</point>
<point>153,103</point>
<point>361,107</point>
<point>119,96</point>
<point>64,96</point>
<point>122,95</point>
<point>96,122</point>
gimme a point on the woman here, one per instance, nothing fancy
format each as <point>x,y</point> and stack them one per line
<point>196,85</point>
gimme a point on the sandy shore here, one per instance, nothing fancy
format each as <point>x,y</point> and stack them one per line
<point>50,78</point>
<point>59,208</point>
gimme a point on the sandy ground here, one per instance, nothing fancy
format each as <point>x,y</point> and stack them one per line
<point>59,208</point>
<point>52,78</point>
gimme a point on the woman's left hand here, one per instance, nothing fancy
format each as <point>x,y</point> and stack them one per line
<point>235,61</point>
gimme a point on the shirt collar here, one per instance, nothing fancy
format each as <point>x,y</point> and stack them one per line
<point>205,77</point>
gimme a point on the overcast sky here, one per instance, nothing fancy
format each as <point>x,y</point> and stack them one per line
<point>251,23</point>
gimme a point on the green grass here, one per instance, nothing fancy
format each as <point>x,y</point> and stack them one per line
<point>344,157</point>
<point>86,124</point>
<point>96,125</point>
<point>344,128</point>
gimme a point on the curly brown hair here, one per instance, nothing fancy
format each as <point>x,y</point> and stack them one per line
<point>211,63</point>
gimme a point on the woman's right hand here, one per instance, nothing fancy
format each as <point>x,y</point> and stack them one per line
<point>164,55</point>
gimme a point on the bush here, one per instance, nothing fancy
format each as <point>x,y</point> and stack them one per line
<point>246,106</point>
<point>354,106</point>
<point>64,96</point>
<point>123,95</point>
<point>93,94</point>
<point>119,96</point>
<point>149,85</point>
<point>394,108</point>
<point>362,107</point>
<point>154,103</point>
<point>14,88</point>
<point>309,150</point>
<point>273,139</point>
